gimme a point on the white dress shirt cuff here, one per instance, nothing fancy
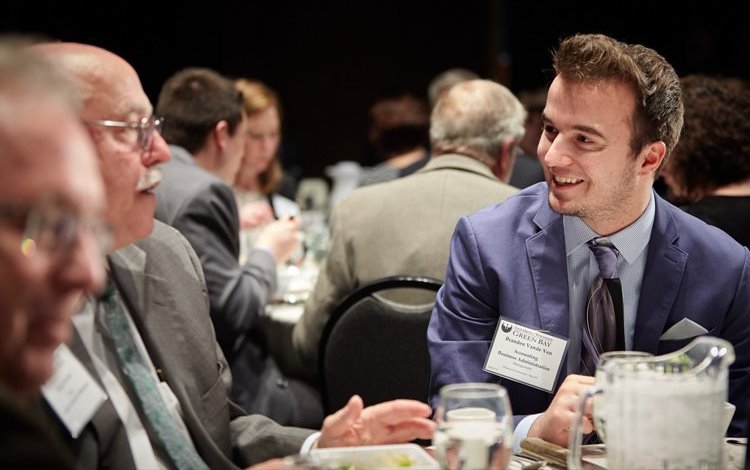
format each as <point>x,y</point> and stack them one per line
<point>309,442</point>
<point>522,430</point>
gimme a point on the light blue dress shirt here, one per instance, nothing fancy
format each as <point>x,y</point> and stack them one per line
<point>632,243</point>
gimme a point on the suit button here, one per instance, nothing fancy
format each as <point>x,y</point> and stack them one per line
<point>282,383</point>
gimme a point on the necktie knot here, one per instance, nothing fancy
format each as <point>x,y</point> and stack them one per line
<point>606,257</point>
<point>108,293</point>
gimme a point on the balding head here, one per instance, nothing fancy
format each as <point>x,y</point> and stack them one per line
<point>477,118</point>
<point>114,105</point>
<point>97,74</point>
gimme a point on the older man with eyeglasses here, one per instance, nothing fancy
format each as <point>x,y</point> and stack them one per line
<point>51,240</point>
<point>149,341</point>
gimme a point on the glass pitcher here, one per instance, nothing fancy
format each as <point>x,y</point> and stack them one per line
<point>663,411</point>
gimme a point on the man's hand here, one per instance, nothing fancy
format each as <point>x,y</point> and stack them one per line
<point>385,423</point>
<point>555,423</point>
<point>280,237</point>
<point>273,464</point>
<point>254,214</point>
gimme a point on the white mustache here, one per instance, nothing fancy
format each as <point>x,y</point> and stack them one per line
<point>150,179</point>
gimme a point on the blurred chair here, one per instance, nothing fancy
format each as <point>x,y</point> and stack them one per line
<point>375,347</point>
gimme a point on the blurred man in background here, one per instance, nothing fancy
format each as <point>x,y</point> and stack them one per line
<point>403,227</point>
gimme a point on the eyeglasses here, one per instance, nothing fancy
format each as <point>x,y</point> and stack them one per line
<point>145,128</point>
<point>53,230</point>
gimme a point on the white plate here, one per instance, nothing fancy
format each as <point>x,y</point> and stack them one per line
<point>377,457</point>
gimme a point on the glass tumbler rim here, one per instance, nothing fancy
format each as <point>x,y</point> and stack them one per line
<point>474,389</point>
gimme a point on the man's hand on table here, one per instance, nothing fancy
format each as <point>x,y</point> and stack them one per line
<point>390,422</point>
<point>555,423</point>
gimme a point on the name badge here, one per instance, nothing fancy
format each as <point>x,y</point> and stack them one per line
<point>72,392</point>
<point>525,355</point>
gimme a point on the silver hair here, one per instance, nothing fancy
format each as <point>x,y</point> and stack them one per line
<point>22,71</point>
<point>445,80</point>
<point>476,118</point>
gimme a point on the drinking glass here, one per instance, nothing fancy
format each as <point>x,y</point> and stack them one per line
<point>474,427</point>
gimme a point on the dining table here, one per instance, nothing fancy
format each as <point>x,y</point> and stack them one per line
<point>595,457</point>
<point>295,283</point>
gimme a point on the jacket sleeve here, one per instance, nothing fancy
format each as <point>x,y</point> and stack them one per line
<point>238,293</point>
<point>256,438</point>
<point>464,317</point>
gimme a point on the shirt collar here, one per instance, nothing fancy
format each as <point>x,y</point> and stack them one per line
<point>630,241</point>
<point>180,154</point>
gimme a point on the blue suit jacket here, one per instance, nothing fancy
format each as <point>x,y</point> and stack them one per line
<point>509,260</point>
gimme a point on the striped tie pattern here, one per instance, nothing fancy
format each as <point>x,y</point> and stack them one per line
<point>603,328</point>
<point>181,452</point>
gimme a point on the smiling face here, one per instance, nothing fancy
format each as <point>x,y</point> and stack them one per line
<point>130,174</point>
<point>589,164</point>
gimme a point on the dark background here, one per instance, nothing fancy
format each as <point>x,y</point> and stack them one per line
<point>330,61</point>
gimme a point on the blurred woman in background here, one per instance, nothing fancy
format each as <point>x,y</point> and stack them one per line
<point>260,175</point>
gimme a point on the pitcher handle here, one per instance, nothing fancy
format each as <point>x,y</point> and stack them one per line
<point>575,437</point>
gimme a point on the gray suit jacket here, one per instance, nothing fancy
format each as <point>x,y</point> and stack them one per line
<point>398,227</point>
<point>203,209</point>
<point>162,285</point>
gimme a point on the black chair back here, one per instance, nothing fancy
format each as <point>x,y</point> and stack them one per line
<point>375,347</point>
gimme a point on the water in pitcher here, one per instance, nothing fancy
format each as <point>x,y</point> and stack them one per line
<point>679,414</point>
<point>662,412</point>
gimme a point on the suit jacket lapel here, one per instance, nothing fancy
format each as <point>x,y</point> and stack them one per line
<point>546,253</point>
<point>141,292</point>
<point>79,351</point>
<point>662,276</point>
<point>128,267</point>
<point>106,415</point>
<point>108,430</point>
<point>157,318</point>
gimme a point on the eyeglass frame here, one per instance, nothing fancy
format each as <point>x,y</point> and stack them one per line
<point>145,127</point>
<point>35,227</point>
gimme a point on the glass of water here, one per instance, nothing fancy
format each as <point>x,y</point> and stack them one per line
<point>474,427</point>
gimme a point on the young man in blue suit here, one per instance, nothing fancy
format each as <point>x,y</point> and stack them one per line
<point>612,117</point>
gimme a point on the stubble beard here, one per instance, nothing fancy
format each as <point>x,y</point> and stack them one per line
<point>611,205</point>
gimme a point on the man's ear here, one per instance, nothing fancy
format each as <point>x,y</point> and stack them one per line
<point>652,155</point>
<point>505,160</point>
<point>220,135</point>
